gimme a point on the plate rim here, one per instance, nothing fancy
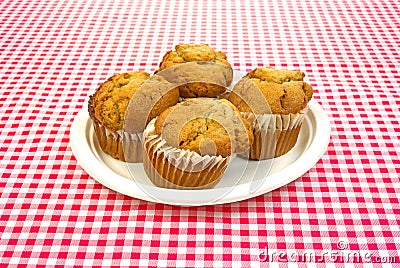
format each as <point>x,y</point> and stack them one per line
<point>82,150</point>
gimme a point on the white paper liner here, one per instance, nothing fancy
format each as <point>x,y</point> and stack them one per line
<point>199,171</point>
<point>274,134</point>
<point>276,121</point>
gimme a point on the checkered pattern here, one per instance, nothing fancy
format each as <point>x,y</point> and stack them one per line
<point>55,53</point>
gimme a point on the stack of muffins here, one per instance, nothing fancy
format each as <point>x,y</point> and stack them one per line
<point>183,124</point>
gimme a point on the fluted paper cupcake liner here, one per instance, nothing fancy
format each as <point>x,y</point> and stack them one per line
<point>170,167</point>
<point>118,144</point>
<point>274,134</point>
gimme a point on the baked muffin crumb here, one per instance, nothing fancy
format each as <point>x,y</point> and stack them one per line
<point>210,120</point>
<point>208,83</point>
<point>284,91</point>
<point>112,98</point>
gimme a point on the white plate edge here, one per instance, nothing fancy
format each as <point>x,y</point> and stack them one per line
<point>322,132</point>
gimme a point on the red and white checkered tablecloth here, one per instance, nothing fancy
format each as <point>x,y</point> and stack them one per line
<point>55,53</point>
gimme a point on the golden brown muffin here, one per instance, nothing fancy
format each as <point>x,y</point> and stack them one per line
<point>189,145</point>
<point>113,96</point>
<point>273,75</point>
<point>284,91</point>
<point>154,96</point>
<point>108,107</point>
<point>278,99</point>
<point>195,121</point>
<point>212,78</point>
<point>189,52</point>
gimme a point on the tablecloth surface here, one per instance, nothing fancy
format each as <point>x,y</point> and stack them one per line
<point>55,53</point>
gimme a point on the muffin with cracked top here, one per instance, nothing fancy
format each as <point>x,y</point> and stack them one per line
<point>108,105</point>
<point>190,144</point>
<point>198,70</point>
<point>276,102</point>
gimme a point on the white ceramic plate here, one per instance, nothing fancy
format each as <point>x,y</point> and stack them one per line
<point>259,177</point>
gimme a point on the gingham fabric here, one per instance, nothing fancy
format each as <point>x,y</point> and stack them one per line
<point>55,53</point>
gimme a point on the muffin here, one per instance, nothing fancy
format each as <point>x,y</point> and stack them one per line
<point>108,106</point>
<point>197,69</point>
<point>276,102</point>
<point>190,144</point>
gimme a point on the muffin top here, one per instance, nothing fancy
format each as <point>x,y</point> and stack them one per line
<point>206,126</point>
<point>197,69</point>
<point>269,90</point>
<point>273,75</point>
<point>113,96</point>
<point>190,53</point>
<point>154,96</point>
